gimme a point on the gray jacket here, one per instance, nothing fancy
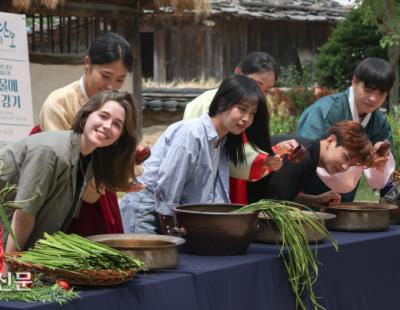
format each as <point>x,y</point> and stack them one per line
<point>44,167</point>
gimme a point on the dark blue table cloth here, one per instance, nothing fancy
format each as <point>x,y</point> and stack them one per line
<point>363,275</point>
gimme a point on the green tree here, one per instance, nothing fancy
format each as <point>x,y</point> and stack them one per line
<point>353,40</point>
<point>385,15</point>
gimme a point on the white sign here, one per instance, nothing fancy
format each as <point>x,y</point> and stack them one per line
<point>16,113</point>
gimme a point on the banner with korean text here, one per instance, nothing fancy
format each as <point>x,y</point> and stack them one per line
<point>16,112</point>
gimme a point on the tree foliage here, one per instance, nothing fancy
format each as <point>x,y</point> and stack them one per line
<point>353,40</point>
<point>385,14</point>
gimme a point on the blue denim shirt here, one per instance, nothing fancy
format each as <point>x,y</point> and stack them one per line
<point>181,168</point>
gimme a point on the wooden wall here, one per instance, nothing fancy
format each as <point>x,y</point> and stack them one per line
<point>186,53</point>
<point>189,52</point>
<point>185,48</point>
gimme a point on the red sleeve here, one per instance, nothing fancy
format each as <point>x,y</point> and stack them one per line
<point>238,191</point>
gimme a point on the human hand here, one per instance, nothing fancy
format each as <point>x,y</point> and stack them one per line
<point>298,154</point>
<point>382,148</point>
<point>381,155</point>
<point>285,147</point>
<point>274,162</point>
<point>330,198</point>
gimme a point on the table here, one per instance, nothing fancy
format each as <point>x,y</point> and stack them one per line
<point>361,276</point>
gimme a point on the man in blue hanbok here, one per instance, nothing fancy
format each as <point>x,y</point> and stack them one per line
<point>372,80</point>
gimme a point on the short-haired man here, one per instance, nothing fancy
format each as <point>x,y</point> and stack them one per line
<point>372,80</point>
<point>345,145</point>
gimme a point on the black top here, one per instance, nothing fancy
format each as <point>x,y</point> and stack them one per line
<point>288,181</point>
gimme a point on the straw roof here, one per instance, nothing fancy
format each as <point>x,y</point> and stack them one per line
<point>177,6</point>
<point>25,5</point>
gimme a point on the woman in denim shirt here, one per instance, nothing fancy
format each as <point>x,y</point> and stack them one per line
<point>189,162</point>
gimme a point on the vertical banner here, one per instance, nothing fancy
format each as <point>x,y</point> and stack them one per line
<point>16,113</point>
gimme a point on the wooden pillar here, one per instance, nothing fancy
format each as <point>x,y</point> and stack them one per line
<point>159,56</point>
<point>133,37</point>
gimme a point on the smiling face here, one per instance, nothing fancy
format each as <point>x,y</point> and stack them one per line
<point>238,118</point>
<point>334,158</point>
<point>103,127</point>
<point>109,76</point>
<point>367,99</point>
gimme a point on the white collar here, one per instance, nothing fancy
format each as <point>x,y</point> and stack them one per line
<point>82,86</point>
<point>354,112</point>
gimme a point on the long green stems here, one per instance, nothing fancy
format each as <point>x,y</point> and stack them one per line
<point>73,252</point>
<point>298,257</point>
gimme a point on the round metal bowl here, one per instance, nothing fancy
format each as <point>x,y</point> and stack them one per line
<point>360,216</point>
<point>157,251</point>
<point>212,229</point>
<point>394,214</point>
<point>268,232</point>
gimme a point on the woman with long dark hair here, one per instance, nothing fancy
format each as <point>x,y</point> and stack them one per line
<point>106,65</point>
<point>189,162</point>
<point>51,169</point>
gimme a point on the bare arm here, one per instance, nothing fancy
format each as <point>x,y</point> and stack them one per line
<point>328,198</point>
<point>22,225</point>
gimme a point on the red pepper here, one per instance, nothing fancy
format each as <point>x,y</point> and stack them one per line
<point>63,284</point>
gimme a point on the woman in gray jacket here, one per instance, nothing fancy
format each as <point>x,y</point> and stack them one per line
<point>51,169</point>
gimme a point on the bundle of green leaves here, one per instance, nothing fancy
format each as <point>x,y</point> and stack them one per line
<point>74,253</point>
<point>39,291</point>
<point>298,257</point>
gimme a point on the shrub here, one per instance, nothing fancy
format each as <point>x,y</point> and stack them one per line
<point>352,41</point>
<point>394,121</point>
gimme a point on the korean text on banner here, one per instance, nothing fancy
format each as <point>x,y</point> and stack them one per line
<point>16,113</point>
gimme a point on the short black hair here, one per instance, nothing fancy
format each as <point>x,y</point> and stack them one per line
<point>376,73</point>
<point>258,62</point>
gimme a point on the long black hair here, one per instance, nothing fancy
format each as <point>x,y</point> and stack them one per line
<point>235,90</point>
<point>109,47</point>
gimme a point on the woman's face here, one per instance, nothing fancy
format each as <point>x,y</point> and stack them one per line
<point>110,76</point>
<point>239,117</point>
<point>104,126</point>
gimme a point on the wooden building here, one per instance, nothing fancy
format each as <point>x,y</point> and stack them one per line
<point>185,47</point>
<point>203,41</point>
<point>61,30</point>
<point>178,39</point>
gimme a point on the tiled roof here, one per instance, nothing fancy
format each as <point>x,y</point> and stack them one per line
<point>297,10</point>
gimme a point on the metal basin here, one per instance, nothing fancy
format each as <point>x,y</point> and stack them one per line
<point>267,231</point>
<point>360,216</point>
<point>157,251</point>
<point>211,229</point>
<point>394,214</point>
